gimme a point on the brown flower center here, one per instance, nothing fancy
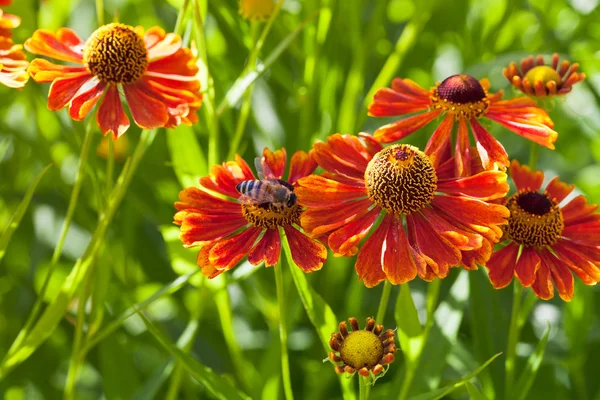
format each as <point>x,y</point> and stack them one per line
<point>270,216</point>
<point>535,219</point>
<point>361,349</point>
<point>542,73</point>
<point>461,95</point>
<point>400,179</point>
<point>116,53</point>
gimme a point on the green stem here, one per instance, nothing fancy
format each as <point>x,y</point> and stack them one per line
<point>383,303</point>
<point>180,17</point>
<point>533,154</point>
<point>513,339</point>
<point>285,360</point>
<point>363,393</point>
<point>185,342</point>
<point>100,12</point>
<point>73,201</point>
<point>110,166</point>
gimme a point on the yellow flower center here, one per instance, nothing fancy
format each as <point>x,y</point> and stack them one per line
<point>270,216</point>
<point>400,179</point>
<point>542,73</point>
<point>535,219</point>
<point>256,9</point>
<point>461,95</point>
<point>116,53</point>
<point>361,349</point>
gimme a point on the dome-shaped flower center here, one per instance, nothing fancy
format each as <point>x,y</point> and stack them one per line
<point>542,73</point>
<point>535,219</point>
<point>269,204</point>
<point>460,95</point>
<point>361,349</point>
<point>116,53</point>
<point>256,9</point>
<point>400,179</point>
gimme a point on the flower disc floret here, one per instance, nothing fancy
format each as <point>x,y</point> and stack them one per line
<point>266,217</point>
<point>116,53</point>
<point>460,95</point>
<point>535,219</point>
<point>400,179</point>
<point>361,349</point>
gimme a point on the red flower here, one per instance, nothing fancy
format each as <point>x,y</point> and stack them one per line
<point>227,230</point>
<point>547,241</point>
<point>157,76</point>
<point>430,221</point>
<point>540,80</point>
<point>13,64</point>
<point>462,99</point>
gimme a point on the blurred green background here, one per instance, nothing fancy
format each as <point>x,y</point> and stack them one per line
<point>319,85</point>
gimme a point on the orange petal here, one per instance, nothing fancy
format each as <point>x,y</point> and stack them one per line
<point>558,190</point>
<point>577,209</point>
<point>524,178</point>
<point>527,265</point>
<point>585,264</point>
<point>368,263</point>
<point>439,141</point>
<point>502,265</point>
<point>463,150</point>
<point>63,45</point>
<point>196,199</point>
<point>585,233</point>
<point>147,112</point>
<point>84,101</point>
<point>488,185</point>
<point>398,263</point>
<point>542,287</point>
<point>343,154</point>
<point>227,253</point>
<point>307,254</point>
<point>43,71</point>
<point>318,191</point>
<point>268,249</point>
<point>490,150</point>
<point>63,90</point>
<point>302,164</point>
<point>345,240</point>
<point>111,117</point>
<point>532,130</point>
<point>400,129</point>
<point>197,228</point>
<point>275,161</point>
<point>562,277</point>
<point>319,221</point>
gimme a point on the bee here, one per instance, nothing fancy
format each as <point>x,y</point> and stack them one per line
<point>267,191</point>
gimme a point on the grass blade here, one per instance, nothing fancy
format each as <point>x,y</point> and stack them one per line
<point>409,327</point>
<point>474,393</point>
<point>533,365</point>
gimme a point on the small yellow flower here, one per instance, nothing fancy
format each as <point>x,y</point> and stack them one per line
<point>256,10</point>
<point>365,351</point>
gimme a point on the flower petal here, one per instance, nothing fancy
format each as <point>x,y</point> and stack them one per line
<point>319,221</point>
<point>462,158</point>
<point>488,185</point>
<point>301,165</point>
<point>490,150</point>
<point>345,240</point>
<point>577,209</point>
<point>43,71</point>
<point>524,178</point>
<point>63,45</point>
<point>111,117</point>
<point>398,263</point>
<point>529,129</point>
<point>527,266</point>
<point>318,191</point>
<point>562,277</point>
<point>275,161</point>
<point>84,101</point>
<point>343,154</point>
<point>197,228</point>
<point>369,261</point>
<point>404,127</point>
<point>586,233</point>
<point>542,287</point>
<point>440,137</point>
<point>227,253</point>
<point>588,269</point>
<point>558,190</point>
<point>147,112</point>
<point>307,254</point>
<point>63,90</point>
<point>268,249</point>
<point>502,265</point>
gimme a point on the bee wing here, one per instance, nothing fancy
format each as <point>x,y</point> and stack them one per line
<point>263,196</point>
<point>263,171</point>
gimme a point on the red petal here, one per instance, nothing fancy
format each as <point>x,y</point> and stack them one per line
<point>558,190</point>
<point>463,153</point>
<point>65,45</point>
<point>576,209</point>
<point>196,199</point>
<point>111,117</point>
<point>302,164</point>
<point>400,129</point>
<point>275,161</point>
<point>502,265</point>
<point>197,228</point>
<point>398,263</point>
<point>488,185</point>
<point>542,287</point>
<point>147,112</point>
<point>369,261</point>
<point>343,154</point>
<point>490,150</point>
<point>587,269</point>
<point>63,90</point>
<point>438,140</point>
<point>307,254</point>
<point>458,236</point>
<point>318,191</point>
<point>318,221</point>
<point>228,252</point>
<point>524,178</point>
<point>85,101</point>
<point>529,129</point>
<point>527,265</point>
<point>562,277</point>
<point>345,240</point>
<point>268,249</point>
<point>586,233</point>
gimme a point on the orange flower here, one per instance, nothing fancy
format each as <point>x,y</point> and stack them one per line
<point>7,21</point>
<point>547,241</point>
<point>227,229</point>
<point>13,64</point>
<point>461,98</point>
<point>430,221</point>
<point>157,76</point>
<point>540,80</point>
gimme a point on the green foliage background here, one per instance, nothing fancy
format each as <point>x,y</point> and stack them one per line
<point>317,86</point>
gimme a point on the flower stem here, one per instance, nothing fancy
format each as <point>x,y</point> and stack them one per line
<point>533,154</point>
<point>73,201</point>
<point>100,12</point>
<point>110,166</point>
<point>285,359</point>
<point>383,303</point>
<point>363,393</point>
<point>513,339</point>
<point>180,16</point>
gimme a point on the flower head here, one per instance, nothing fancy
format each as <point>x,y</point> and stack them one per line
<point>256,9</point>
<point>537,79</point>
<point>227,226</point>
<point>157,76</point>
<point>547,241</point>
<point>366,351</point>
<point>7,21</point>
<point>464,100</point>
<point>13,64</point>
<point>430,220</point>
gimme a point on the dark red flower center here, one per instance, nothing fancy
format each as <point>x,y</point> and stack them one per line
<point>461,95</point>
<point>535,219</point>
<point>116,53</point>
<point>400,179</point>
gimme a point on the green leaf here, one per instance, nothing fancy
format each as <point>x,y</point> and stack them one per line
<point>19,213</point>
<point>215,384</point>
<point>474,393</point>
<point>444,391</point>
<point>117,382</point>
<point>409,328</point>
<point>533,365</point>
<point>319,312</point>
<point>189,161</point>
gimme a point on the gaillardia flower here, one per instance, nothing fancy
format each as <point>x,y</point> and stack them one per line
<point>227,229</point>
<point>156,75</point>
<point>13,64</point>
<point>540,80</point>
<point>366,351</point>
<point>256,10</point>
<point>430,221</point>
<point>464,100</point>
<point>547,241</point>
